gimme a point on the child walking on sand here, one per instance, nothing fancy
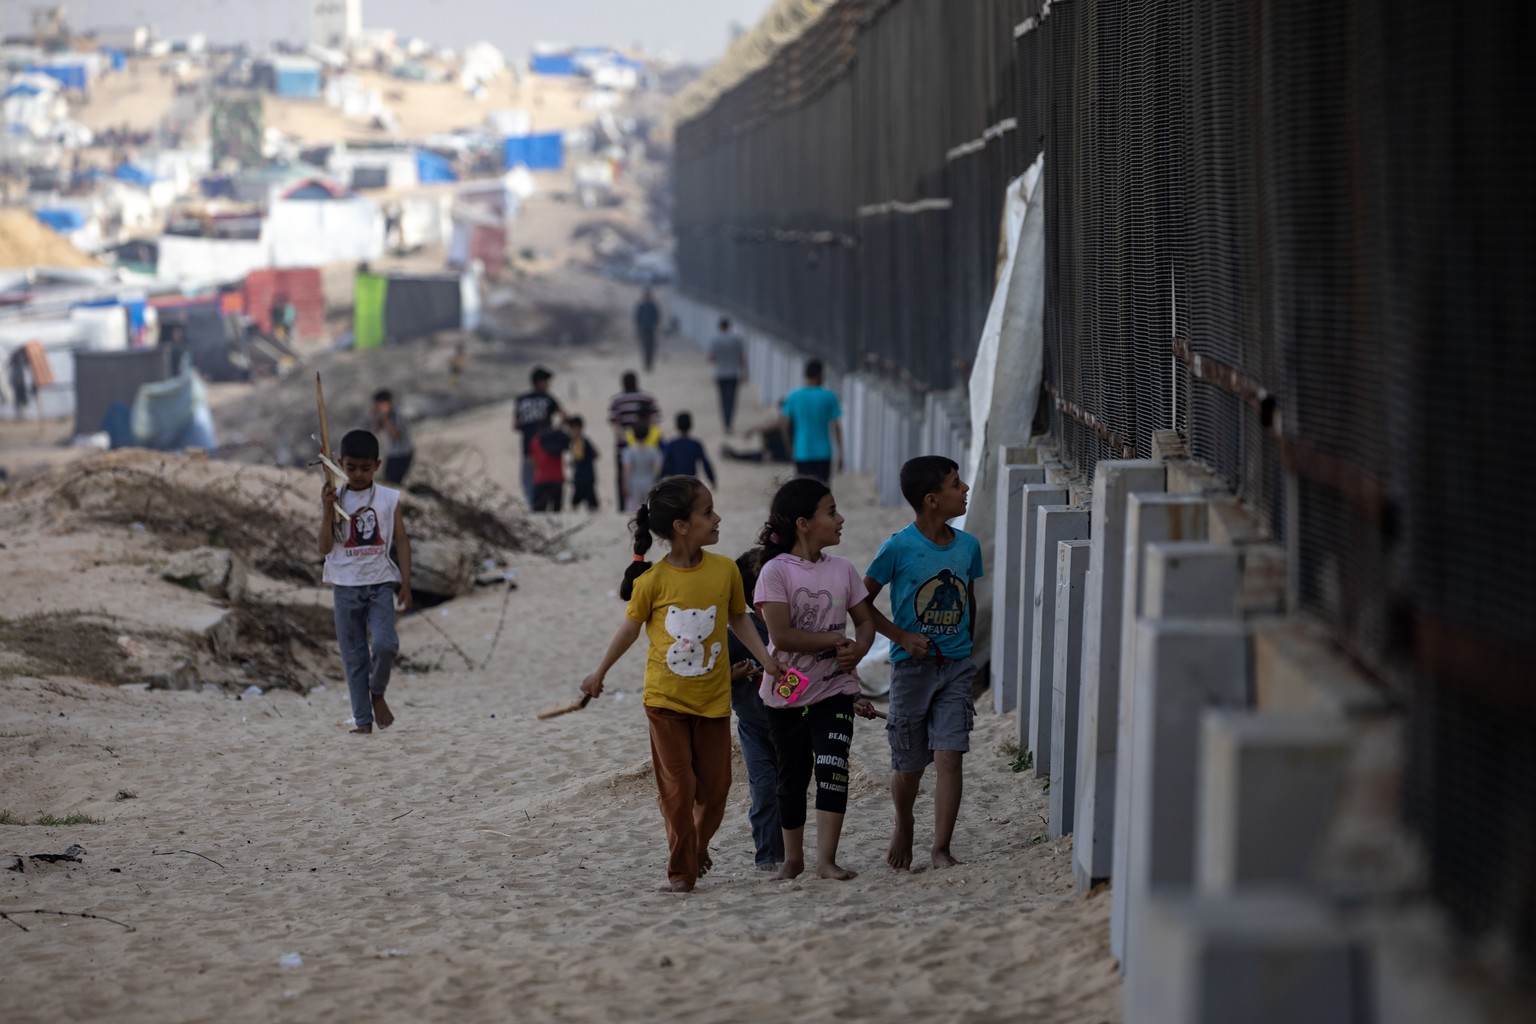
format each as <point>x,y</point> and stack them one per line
<point>807,597</point>
<point>365,581</point>
<point>752,729</point>
<point>684,603</point>
<point>932,570</point>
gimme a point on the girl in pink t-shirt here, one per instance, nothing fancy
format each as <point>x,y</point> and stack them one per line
<point>806,598</point>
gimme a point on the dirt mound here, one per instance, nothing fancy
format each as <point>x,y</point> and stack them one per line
<point>133,508</point>
<point>26,242</point>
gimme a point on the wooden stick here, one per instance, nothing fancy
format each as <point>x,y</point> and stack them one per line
<point>564,709</point>
<point>325,446</point>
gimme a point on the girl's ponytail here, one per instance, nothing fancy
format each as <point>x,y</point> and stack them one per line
<point>641,526</point>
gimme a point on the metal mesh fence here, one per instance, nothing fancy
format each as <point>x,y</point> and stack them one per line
<point>1295,232</point>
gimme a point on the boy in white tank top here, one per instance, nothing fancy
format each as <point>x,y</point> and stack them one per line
<point>365,581</point>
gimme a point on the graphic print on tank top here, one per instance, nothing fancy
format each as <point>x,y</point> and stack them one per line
<point>363,535</point>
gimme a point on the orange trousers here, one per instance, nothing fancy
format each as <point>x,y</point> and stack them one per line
<point>692,760</point>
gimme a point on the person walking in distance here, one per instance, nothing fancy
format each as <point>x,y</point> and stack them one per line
<point>630,409</point>
<point>532,412</point>
<point>729,354</point>
<point>647,322</point>
<point>812,415</point>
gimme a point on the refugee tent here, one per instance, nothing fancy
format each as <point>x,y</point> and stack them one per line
<point>75,72</point>
<point>374,168</point>
<point>556,65</point>
<point>63,219</point>
<point>508,122</point>
<point>296,77</point>
<point>398,307</point>
<point>542,152</point>
<point>317,222</point>
<point>134,174</point>
<point>102,378</point>
<point>209,338</point>
<point>432,168</point>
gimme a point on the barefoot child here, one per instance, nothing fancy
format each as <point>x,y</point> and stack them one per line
<point>684,603</point>
<point>806,597</point>
<point>365,581</point>
<point>931,569</point>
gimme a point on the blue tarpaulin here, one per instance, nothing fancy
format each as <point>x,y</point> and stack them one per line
<point>70,74</point>
<point>561,64</point>
<point>296,77</point>
<point>430,167</point>
<point>536,152</point>
<point>62,218</point>
<point>133,174</point>
<point>117,58</point>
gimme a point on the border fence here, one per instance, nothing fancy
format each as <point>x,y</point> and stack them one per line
<point>1294,232</point>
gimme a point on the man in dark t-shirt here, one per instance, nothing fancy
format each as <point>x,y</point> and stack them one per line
<point>533,412</point>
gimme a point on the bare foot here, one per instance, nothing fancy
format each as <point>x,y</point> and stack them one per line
<point>381,712</point>
<point>899,856</point>
<point>705,862</point>
<point>944,859</point>
<point>834,872</point>
<point>791,869</point>
<point>677,887</point>
<point>362,728</point>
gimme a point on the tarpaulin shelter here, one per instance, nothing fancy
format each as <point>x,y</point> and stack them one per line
<point>296,77</point>
<point>542,152</point>
<point>430,168</point>
<point>70,73</point>
<point>560,65</point>
<point>206,327</point>
<point>62,219</point>
<point>397,307</point>
<point>134,174</point>
<point>102,378</point>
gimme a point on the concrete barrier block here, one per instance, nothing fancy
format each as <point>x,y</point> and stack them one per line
<point>1066,681</point>
<point>1094,819</point>
<point>1150,518</point>
<point>1254,959</point>
<point>1269,784</point>
<point>1008,592</point>
<point>1035,497</point>
<point>1053,524</point>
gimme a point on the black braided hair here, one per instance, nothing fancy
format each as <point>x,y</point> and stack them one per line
<point>796,500</point>
<point>670,499</point>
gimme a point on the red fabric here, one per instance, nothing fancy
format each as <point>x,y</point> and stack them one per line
<point>547,468</point>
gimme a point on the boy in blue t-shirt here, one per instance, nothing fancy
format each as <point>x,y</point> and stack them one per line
<point>932,570</point>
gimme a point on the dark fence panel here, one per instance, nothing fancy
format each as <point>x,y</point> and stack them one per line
<point>849,195</point>
<point>1296,232</point>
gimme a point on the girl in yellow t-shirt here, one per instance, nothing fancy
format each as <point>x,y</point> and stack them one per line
<point>684,603</point>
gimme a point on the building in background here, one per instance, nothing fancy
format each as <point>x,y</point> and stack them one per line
<point>335,24</point>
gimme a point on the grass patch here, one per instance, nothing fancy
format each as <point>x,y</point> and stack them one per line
<point>1023,761</point>
<point>7,818</point>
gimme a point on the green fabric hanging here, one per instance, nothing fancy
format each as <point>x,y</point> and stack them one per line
<point>368,293</point>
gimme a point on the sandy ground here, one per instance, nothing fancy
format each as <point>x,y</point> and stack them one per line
<point>473,861</point>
